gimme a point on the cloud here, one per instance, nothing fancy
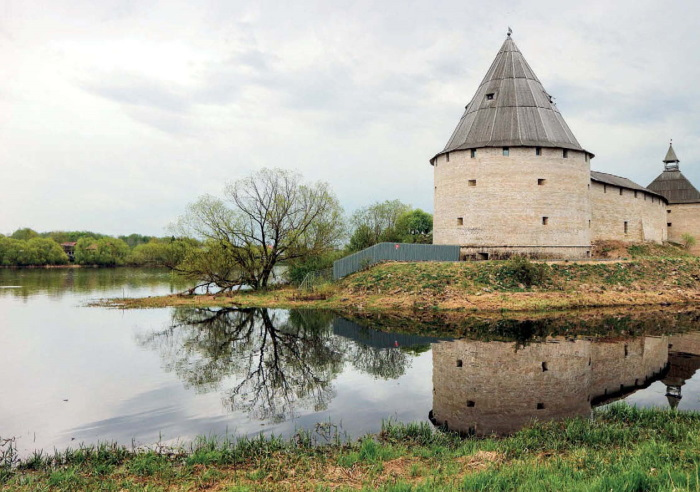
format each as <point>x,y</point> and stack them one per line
<point>180,97</point>
<point>138,91</point>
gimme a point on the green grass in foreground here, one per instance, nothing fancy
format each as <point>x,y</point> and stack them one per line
<point>621,448</point>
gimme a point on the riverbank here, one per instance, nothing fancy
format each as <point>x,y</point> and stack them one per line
<point>476,287</point>
<point>620,448</point>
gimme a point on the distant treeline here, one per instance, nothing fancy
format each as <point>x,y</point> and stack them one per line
<point>217,257</point>
<point>26,247</point>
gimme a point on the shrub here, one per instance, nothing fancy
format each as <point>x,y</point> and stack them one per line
<point>299,268</point>
<point>519,270</point>
<point>688,240</point>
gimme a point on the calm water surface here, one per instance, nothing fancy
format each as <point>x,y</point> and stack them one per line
<point>71,373</point>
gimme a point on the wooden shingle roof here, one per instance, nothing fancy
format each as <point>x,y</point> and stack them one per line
<point>675,187</point>
<point>672,184</point>
<point>511,108</point>
<point>620,182</point>
<point>671,155</point>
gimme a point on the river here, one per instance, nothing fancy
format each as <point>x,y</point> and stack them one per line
<point>72,373</point>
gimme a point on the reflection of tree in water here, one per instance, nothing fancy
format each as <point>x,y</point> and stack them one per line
<point>379,362</point>
<point>279,363</point>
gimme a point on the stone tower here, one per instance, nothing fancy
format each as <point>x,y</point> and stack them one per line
<point>512,178</point>
<point>683,212</point>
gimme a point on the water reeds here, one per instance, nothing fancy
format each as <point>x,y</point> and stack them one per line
<point>619,448</point>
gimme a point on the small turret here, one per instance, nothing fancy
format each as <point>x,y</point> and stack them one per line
<point>671,160</point>
<point>672,184</point>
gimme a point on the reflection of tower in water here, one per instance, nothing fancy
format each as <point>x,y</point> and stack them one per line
<point>683,362</point>
<point>498,387</point>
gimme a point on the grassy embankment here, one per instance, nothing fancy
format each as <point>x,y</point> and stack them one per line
<point>620,449</point>
<point>646,276</point>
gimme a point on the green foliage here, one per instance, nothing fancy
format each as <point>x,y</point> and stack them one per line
<point>212,264</point>
<point>24,234</point>
<point>267,218</point>
<point>362,238</point>
<point>377,223</point>
<point>688,240</point>
<point>299,268</point>
<point>70,236</point>
<point>32,252</point>
<point>519,270</point>
<point>133,240</point>
<point>390,221</point>
<point>415,226</point>
<point>107,251</point>
<point>638,250</point>
<point>167,253</point>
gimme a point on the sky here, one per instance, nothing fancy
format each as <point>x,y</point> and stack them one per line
<point>116,114</point>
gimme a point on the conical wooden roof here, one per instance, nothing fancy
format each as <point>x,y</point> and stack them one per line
<point>671,155</point>
<point>511,108</point>
<point>672,184</point>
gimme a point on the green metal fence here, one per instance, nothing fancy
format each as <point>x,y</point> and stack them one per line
<point>393,252</point>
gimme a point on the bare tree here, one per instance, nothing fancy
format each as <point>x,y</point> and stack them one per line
<point>264,219</point>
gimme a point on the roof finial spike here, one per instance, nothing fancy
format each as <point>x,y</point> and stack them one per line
<point>510,31</point>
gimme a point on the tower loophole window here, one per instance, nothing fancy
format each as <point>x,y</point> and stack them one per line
<point>541,181</point>
<point>626,227</point>
<point>565,154</point>
<point>490,96</point>
<point>545,220</point>
<point>538,150</point>
<point>472,182</point>
<point>460,221</point>
<point>506,151</point>
<point>473,153</point>
<point>447,157</point>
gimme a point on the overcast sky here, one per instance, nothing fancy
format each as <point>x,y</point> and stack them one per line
<point>114,115</point>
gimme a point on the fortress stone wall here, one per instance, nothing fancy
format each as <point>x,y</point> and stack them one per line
<point>494,387</point>
<point>684,218</point>
<point>522,202</point>
<point>623,214</point>
<point>513,179</point>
